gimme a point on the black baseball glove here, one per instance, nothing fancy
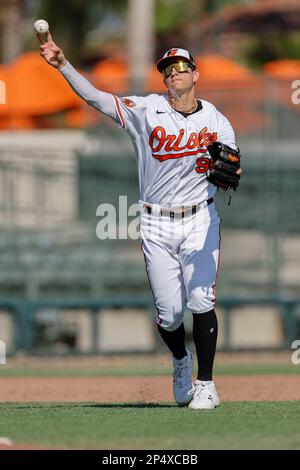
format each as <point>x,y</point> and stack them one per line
<point>223,174</point>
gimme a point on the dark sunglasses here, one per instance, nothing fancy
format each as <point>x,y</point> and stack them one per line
<point>180,67</point>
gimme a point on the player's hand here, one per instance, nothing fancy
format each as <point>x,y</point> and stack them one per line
<point>51,52</point>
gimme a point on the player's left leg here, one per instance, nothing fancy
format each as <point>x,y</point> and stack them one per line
<point>200,256</point>
<point>205,332</point>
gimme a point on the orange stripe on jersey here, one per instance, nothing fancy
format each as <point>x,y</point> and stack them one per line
<point>169,156</point>
<point>119,112</point>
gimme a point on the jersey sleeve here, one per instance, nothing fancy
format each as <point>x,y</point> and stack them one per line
<point>100,100</point>
<point>131,112</point>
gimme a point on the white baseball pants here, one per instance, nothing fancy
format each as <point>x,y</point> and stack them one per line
<point>181,256</point>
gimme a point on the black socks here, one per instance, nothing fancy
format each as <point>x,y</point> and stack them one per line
<point>205,333</point>
<point>175,340</point>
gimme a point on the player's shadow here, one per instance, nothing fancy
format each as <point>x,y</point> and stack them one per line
<point>94,405</point>
<point>129,405</point>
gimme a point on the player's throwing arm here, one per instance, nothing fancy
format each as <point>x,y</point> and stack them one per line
<point>54,56</point>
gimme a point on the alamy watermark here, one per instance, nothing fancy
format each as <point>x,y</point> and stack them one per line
<point>295,358</point>
<point>114,222</point>
<point>295,97</point>
<point>2,92</point>
<point>140,220</point>
<point>2,353</point>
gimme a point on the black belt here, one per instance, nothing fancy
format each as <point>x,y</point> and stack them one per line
<point>188,211</point>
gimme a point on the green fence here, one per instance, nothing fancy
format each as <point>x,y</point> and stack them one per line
<point>26,322</point>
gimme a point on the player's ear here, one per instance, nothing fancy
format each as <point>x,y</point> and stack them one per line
<point>164,80</point>
<point>196,76</point>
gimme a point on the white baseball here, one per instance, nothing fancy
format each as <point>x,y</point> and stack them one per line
<point>41,26</point>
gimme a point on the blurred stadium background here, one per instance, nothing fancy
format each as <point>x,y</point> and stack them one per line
<point>61,289</point>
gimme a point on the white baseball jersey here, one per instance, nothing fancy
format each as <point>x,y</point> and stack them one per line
<point>172,149</point>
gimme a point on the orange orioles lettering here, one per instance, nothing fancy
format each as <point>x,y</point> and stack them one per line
<point>161,143</point>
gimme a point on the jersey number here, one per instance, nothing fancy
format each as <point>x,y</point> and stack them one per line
<point>204,164</point>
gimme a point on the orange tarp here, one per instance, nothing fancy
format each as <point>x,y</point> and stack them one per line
<point>82,116</point>
<point>111,75</point>
<point>283,68</point>
<point>34,88</point>
<point>154,81</point>
<point>220,68</point>
<point>6,121</point>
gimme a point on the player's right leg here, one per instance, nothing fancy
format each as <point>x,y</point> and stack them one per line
<point>199,255</point>
<point>165,279</point>
<point>166,283</point>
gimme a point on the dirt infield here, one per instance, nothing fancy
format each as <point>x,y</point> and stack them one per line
<point>150,389</point>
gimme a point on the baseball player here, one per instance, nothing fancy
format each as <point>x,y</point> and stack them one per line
<point>185,150</point>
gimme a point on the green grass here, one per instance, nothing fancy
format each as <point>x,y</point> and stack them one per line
<point>233,369</point>
<point>234,425</point>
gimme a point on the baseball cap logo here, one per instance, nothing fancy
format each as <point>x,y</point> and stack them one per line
<point>172,52</point>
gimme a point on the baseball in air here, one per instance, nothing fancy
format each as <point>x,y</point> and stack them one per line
<point>41,26</point>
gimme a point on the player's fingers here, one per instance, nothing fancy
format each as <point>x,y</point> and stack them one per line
<point>239,171</point>
<point>55,48</point>
<point>49,37</point>
<point>40,39</point>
